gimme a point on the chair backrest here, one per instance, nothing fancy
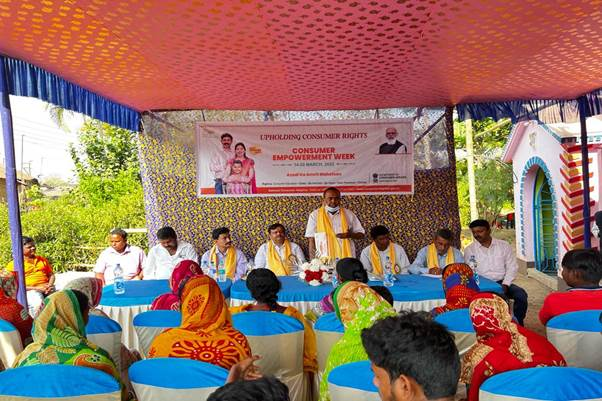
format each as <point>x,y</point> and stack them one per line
<point>106,333</point>
<point>329,330</point>
<point>352,382</point>
<point>458,322</point>
<point>543,383</point>
<point>150,324</point>
<point>10,343</point>
<point>279,340</point>
<point>577,336</point>
<point>160,379</point>
<point>44,382</point>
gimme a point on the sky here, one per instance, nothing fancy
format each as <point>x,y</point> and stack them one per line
<point>39,142</point>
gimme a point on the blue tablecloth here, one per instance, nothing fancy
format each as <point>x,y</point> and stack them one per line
<point>408,287</point>
<point>143,292</point>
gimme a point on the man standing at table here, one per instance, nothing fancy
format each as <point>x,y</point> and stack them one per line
<point>235,262</point>
<point>433,258</point>
<point>331,229</point>
<point>374,256</point>
<point>277,252</point>
<point>496,261</point>
<point>163,257</point>
<point>219,162</point>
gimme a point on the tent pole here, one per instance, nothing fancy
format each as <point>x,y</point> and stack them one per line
<point>14,214</point>
<point>585,173</point>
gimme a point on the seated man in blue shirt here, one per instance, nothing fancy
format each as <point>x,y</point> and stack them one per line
<point>433,258</point>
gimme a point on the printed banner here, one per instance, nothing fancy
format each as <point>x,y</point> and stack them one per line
<point>373,157</point>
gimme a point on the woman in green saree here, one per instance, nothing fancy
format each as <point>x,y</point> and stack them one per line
<point>358,307</point>
<point>59,336</point>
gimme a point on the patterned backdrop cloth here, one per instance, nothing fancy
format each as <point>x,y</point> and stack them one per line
<point>502,345</point>
<point>168,167</point>
<point>459,287</point>
<point>206,333</point>
<point>59,337</point>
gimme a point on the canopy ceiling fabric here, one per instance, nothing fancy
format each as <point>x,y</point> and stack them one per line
<point>310,54</point>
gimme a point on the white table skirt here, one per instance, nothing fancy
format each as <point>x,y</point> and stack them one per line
<point>306,306</point>
<point>124,315</point>
<point>10,347</point>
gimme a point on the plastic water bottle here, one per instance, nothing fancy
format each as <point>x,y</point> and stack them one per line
<point>221,271</point>
<point>119,282</point>
<point>334,280</point>
<point>388,276</point>
<point>472,262</point>
<point>205,267</point>
<point>212,270</point>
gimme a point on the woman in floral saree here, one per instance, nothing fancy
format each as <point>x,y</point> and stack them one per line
<point>59,336</point>
<point>206,333</point>
<point>358,307</point>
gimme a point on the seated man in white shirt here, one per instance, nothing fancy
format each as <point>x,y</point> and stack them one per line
<point>223,253</point>
<point>129,257</point>
<point>496,261</point>
<point>331,229</point>
<point>163,257</point>
<point>279,254</point>
<point>374,256</point>
<point>433,258</point>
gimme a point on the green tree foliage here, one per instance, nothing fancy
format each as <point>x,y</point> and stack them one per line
<point>494,179</point>
<point>71,230</point>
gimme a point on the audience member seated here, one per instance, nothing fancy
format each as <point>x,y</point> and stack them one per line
<point>264,286</point>
<point>206,333</point>
<point>279,254</point>
<point>459,286</point>
<point>413,358</point>
<point>59,336</point>
<point>434,257</point>
<point>129,257</point>
<point>39,278</point>
<point>224,252</point>
<point>263,389</point>
<point>92,288</point>
<point>582,271</point>
<point>163,257</point>
<point>374,256</point>
<point>384,292</point>
<point>332,229</point>
<point>496,261</point>
<point>347,269</point>
<point>12,311</point>
<point>184,270</point>
<point>502,345</point>
<point>358,307</point>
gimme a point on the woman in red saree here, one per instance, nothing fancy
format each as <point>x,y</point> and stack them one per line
<point>459,287</point>
<point>180,275</point>
<point>206,333</point>
<point>502,345</point>
<point>10,309</point>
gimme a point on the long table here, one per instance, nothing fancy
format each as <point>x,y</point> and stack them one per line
<point>410,292</point>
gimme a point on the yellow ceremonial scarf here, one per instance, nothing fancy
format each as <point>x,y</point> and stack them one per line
<point>335,250</point>
<point>377,268</point>
<point>277,265</point>
<point>432,257</point>
<point>229,263</point>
